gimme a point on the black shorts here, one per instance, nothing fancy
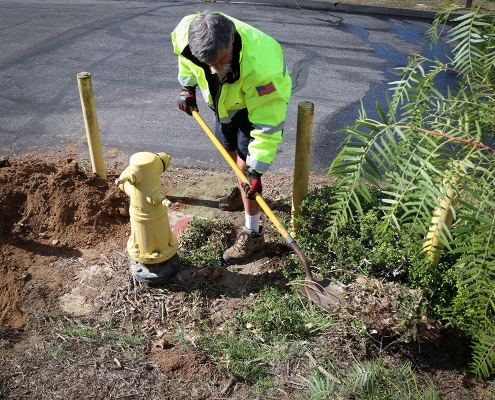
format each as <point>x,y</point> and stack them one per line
<point>236,135</point>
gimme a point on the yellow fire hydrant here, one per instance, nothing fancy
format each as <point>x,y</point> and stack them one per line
<point>152,246</point>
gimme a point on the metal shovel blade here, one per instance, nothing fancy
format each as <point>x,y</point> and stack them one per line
<point>322,292</point>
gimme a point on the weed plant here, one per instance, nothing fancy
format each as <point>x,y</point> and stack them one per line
<point>57,351</point>
<point>279,313</point>
<point>204,242</point>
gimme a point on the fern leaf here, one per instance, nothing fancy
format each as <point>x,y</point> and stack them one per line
<point>483,363</point>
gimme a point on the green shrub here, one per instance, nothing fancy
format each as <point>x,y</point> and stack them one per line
<point>358,247</point>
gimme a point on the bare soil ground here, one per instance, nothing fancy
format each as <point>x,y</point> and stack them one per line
<point>75,325</point>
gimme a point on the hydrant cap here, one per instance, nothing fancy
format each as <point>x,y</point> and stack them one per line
<point>142,158</point>
<point>165,158</point>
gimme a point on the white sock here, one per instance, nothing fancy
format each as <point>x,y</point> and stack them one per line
<point>253,222</point>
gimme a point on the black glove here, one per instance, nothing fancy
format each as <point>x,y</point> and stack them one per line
<point>187,98</point>
<point>254,178</point>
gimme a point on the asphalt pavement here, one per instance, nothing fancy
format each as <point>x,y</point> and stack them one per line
<point>339,55</point>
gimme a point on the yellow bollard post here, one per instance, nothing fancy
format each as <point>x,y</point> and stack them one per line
<point>91,123</point>
<point>305,117</point>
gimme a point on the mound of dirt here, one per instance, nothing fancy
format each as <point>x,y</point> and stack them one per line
<point>50,208</point>
<point>59,201</point>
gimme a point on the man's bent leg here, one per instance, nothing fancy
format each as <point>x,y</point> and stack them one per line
<point>250,238</point>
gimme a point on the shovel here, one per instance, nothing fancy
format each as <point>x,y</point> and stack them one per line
<point>320,291</point>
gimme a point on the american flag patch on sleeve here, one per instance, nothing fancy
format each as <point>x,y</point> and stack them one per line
<point>267,89</point>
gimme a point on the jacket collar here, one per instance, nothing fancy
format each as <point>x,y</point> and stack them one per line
<point>235,73</point>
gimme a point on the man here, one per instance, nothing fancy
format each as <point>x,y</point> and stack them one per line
<point>243,77</point>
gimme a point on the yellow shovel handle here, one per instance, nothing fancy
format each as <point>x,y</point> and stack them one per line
<point>287,237</point>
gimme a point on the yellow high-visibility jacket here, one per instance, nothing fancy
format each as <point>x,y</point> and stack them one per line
<point>259,81</point>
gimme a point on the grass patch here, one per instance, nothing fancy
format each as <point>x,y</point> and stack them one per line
<point>279,327</point>
<point>57,352</point>
<point>205,242</point>
<point>280,313</point>
<point>133,343</point>
<point>268,333</point>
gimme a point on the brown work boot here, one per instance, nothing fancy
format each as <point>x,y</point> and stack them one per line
<point>246,244</point>
<point>232,202</point>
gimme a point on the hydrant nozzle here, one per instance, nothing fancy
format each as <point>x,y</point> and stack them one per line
<point>152,245</point>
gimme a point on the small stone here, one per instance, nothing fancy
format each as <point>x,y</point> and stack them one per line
<point>200,273</point>
<point>214,275</point>
<point>23,240</point>
<point>161,343</point>
<point>55,242</point>
<point>26,277</point>
<point>113,153</point>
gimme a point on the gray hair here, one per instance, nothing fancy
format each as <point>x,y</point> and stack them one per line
<point>208,34</point>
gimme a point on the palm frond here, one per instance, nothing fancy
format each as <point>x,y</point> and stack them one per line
<point>427,139</point>
<point>484,353</point>
<point>320,388</point>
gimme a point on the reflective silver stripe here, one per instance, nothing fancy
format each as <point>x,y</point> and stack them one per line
<point>228,118</point>
<point>257,165</point>
<point>269,129</point>
<point>187,80</point>
<point>285,68</point>
<point>231,113</point>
